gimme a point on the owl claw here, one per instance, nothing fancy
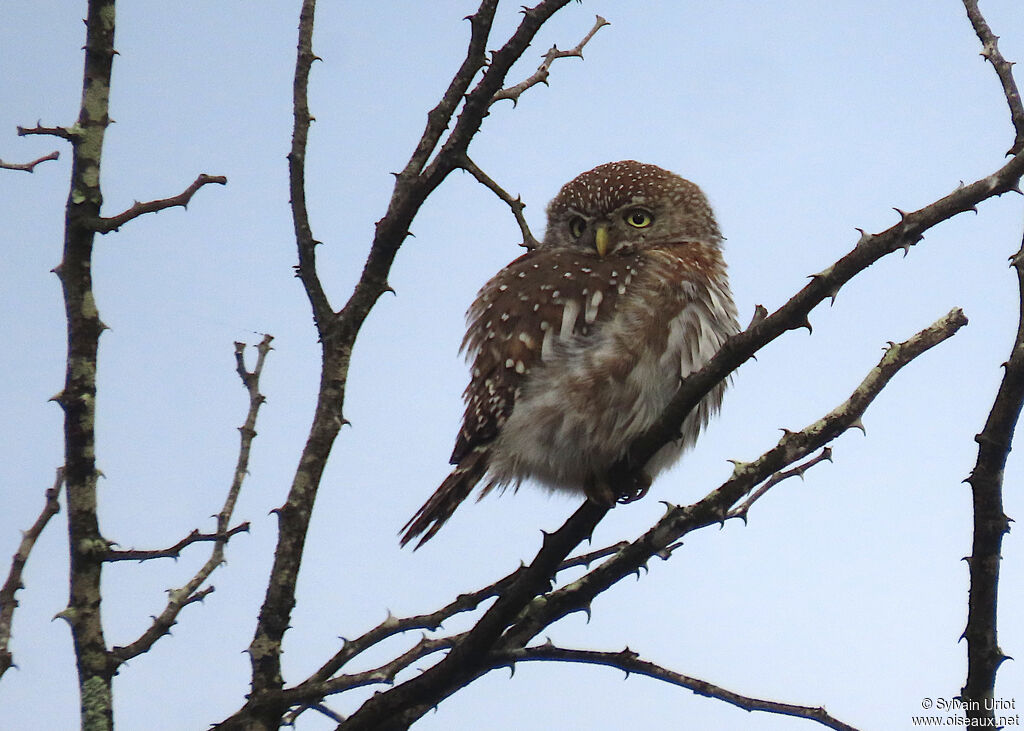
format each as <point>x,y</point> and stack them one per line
<point>638,490</point>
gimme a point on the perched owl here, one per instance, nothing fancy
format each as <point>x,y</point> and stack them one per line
<point>578,345</point>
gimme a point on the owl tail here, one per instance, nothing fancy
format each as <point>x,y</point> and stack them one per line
<point>439,508</point>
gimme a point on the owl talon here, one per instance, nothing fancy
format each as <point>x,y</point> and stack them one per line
<point>637,490</point>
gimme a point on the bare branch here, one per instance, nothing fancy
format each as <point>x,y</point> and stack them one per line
<point>585,559</point>
<point>392,626</point>
<point>984,656</point>
<point>192,592</point>
<point>540,76</point>
<point>629,662</point>
<point>8,601</point>
<point>64,133</point>
<point>305,270</point>
<point>741,511</point>
<point>516,204</point>
<point>106,225</point>
<point>1004,70</point>
<point>175,551</point>
<point>385,674</point>
<point>29,167</point>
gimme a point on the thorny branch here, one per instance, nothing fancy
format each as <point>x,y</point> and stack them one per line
<point>175,551</point>
<point>392,625</point>
<point>630,662</point>
<point>113,223</point>
<point>540,76</point>
<point>8,600</point>
<point>193,591</point>
<point>29,167</point>
<point>984,655</point>
<point>1004,70</point>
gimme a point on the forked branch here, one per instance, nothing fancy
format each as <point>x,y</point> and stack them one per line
<point>540,76</point>
<point>194,591</point>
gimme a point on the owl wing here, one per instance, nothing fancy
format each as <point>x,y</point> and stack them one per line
<point>520,318</point>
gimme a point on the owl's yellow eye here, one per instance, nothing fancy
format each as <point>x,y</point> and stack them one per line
<point>639,218</point>
<point>577,226</point>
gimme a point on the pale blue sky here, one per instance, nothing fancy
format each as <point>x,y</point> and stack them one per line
<point>801,120</point>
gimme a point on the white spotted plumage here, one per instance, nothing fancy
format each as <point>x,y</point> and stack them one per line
<point>578,345</point>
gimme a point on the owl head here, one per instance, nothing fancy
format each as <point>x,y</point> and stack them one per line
<point>620,207</point>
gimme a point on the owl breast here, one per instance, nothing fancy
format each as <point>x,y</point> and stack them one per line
<point>608,353</point>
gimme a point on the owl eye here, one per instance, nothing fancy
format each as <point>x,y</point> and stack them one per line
<point>576,226</point>
<point>639,218</point>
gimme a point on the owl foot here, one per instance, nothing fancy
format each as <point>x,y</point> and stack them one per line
<point>600,492</point>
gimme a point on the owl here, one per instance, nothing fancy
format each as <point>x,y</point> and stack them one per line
<point>578,345</point>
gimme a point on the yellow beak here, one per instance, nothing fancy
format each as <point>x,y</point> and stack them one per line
<point>601,239</point>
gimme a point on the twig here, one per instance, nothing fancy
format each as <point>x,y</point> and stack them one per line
<point>629,662</point>
<point>64,133</point>
<point>392,625</point>
<point>192,592</point>
<point>106,225</point>
<point>740,511</point>
<point>8,601</point>
<point>516,204</point>
<point>540,76</point>
<point>984,655</point>
<point>1004,70</point>
<point>585,559</point>
<point>385,674</point>
<point>29,167</point>
<point>714,507</point>
<point>175,551</point>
